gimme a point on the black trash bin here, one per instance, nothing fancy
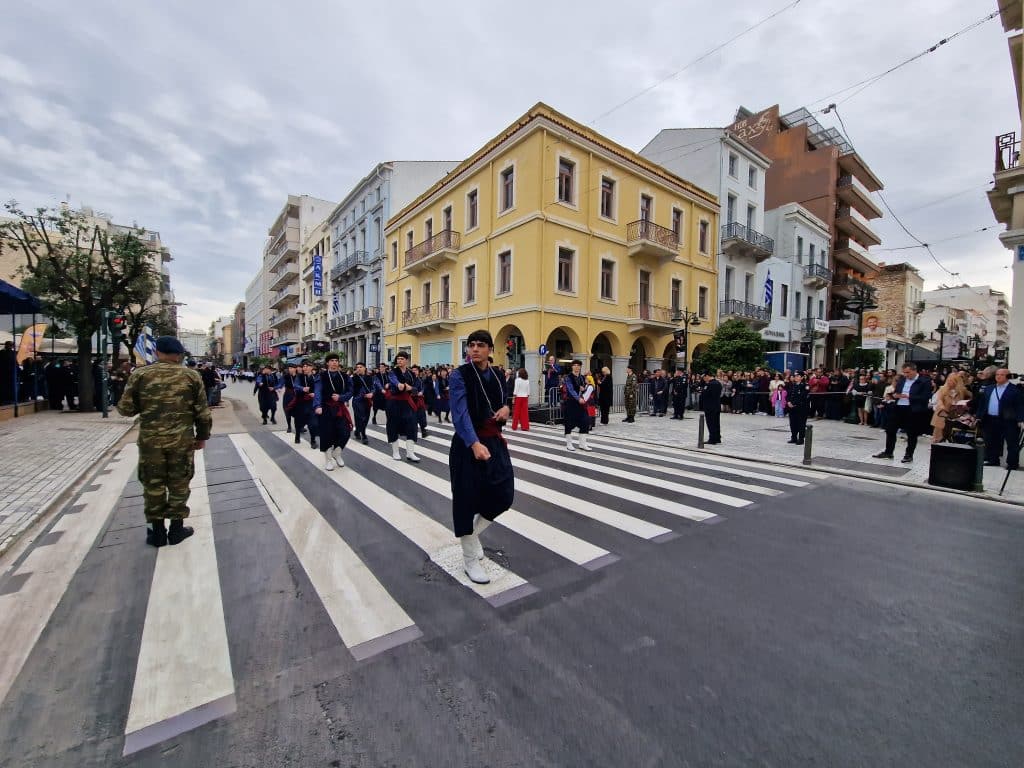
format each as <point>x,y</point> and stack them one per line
<point>953,466</point>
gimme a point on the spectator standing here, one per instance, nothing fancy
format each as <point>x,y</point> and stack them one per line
<point>1001,410</point>
<point>911,394</point>
<point>605,393</point>
<point>521,401</point>
<point>711,403</point>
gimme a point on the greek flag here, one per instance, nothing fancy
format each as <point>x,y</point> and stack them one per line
<point>335,308</point>
<point>145,346</point>
<point>768,285</point>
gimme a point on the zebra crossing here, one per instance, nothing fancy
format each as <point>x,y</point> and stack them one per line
<point>573,514</point>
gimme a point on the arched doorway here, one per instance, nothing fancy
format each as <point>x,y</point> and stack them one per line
<point>510,347</point>
<point>600,353</point>
<point>669,361</point>
<point>638,355</point>
<point>563,343</point>
<point>698,352</point>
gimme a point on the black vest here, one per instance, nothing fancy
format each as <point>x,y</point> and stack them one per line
<point>476,401</point>
<point>359,385</point>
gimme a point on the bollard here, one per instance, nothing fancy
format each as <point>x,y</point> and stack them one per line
<point>808,443</point>
<point>979,465</point>
<point>700,431</point>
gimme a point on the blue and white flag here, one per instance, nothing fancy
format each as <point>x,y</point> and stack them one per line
<point>145,346</point>
<point>768,285</point>
<point>335,308</point>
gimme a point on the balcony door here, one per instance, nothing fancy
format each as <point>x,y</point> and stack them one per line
<point>446,286</point>
<point>426,297</point>
<point>646,206</point>
<point>645,294</point>
<point>429,229</point>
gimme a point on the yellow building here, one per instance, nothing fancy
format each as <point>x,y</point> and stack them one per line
<point>552,236</point>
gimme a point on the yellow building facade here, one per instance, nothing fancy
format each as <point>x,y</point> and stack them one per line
<point>556,240</point>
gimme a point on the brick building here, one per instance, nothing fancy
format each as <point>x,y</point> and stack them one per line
<point>898,292</point>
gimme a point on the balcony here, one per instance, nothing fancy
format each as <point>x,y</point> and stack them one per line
<point>1007,176</point>
<point>917,307</point>
<point>844,326</point>
<point>439,316</point>
<point>285,249</point>
<point>847,285</point>
<point>366,316</point>
<point>851,191</point>
<point>850,255</point>
<point>282,319</point>
<point>283,276</point>
<point>851,222</point>
<point>645,238</point>
<point>352,266</point>
<point>817,276</point>
<point>644,316</point>
<point>286,295</point>
<point>752,314</point>
<point>434,251</point>
<point>742,241</point>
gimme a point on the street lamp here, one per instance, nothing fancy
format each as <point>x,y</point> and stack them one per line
<point>942,331</point>
<point>687,318</point>
<point>862,300</point>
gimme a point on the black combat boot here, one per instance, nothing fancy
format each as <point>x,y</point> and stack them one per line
<point>156,534</point>
<point>179,531</point>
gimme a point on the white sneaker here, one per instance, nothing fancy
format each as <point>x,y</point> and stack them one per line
<point>410,453</point>
<point>569,444</point>
<point>336,455</point>
<point>583,443</point>
<point>474,570</point>
<point>396,453</point>
<point>328,463</point>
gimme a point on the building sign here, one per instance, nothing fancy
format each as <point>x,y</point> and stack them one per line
<point>768,333</point>
<point>872,333</point>
<point>318,275</point>
<point>820,326</point>
<point>265,339</point>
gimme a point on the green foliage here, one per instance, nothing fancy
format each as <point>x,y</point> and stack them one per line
<point>733,347</point>
<point>855,357</point>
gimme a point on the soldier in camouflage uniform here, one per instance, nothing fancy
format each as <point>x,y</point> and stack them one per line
<point>174,421</point>
<point>630,395</point>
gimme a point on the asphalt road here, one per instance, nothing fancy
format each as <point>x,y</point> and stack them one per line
<point>787,621</point>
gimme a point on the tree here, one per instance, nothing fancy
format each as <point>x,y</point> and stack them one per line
<point>855,357</point>
<point>734,347</point>
<point>78,268</point>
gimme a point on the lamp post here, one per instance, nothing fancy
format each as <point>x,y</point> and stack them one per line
<point>687,318</point>
<point>942,331</point>
<point>862,300</point>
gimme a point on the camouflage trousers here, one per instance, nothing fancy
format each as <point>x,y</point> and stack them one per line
<point>165,474</point>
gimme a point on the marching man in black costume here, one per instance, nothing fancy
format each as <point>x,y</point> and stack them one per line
<point>401,409</point>
<point>330,404</point>
<point>479,462</point>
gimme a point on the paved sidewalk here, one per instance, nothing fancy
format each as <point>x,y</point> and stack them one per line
<point>837,447</point>
<point>42,455</point>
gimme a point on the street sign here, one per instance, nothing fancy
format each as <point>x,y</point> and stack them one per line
<point>374,347</point>
<point>318,275</point>
<point>543,350</point>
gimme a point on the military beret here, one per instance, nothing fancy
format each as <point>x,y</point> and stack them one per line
<point>169,345</point>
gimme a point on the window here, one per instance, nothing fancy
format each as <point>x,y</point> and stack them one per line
<point>472,211</point>
<point>784,301</point>
<point>566,173</point>
<point>377,241</point>
<point>729,277</point>
<point>810,253</point>
<point>508,182</point>
<point>677,223</point>
<point>676,298</point>
<point>408,240</point>
<point>426,296</point>
<point>734,164</point>
<point>799,250</point>
<point>821,309</point>
<point>607,197</point>
<point>446,289</point>
<point>607,279</point>
<point>810,307</point>
<point>504,272</point>
<point>446,218</point>
<point>391,309</point>
<point>796,306</point>
<point>407,301</point>
<point>751,213</point>
<point>730,209</point>
<point>752,177</point>
<point>566,257</point>
<point>470,284</point>
<point>646,207</point>
<point>377,194</point>
<point>394,254</point>
<point>428,229</point>
<point>362,238</point>
<point>702,302</point>
<point>748,288</point>
<point>702,238</point>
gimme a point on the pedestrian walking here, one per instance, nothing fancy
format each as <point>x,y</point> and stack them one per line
<point>265,388</point>
<point>574,407</point>
<point>401,409</point>
<point>174,422</point>
<point>302,407</point>
<point>331,395</point>
<point>286,382</point>
<point>629,395</point>
<point>521,402</point>
<point>444,406</point>
<point>712,406</point>
<point>909,413</point>
<point>380,389</point>
<point>480,468</point>
<point>797,405</point>
<point>362,401</point>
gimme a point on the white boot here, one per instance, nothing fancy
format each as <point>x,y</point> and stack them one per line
<point>479,526</point>
<point>568,443</point>
<point>328,464</point>
<point>583,443</point>
<point>336,455</point>
<point>474,569</point>
<point>396,454</point>
<point>410,451</point>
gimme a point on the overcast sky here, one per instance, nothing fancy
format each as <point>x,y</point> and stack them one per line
<point>197,118</point>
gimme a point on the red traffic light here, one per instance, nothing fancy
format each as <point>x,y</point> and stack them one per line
<point>118,321</point>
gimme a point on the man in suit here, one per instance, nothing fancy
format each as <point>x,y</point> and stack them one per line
<point>711,403</point>
<point>1001,410</point>
<point>909,412</point>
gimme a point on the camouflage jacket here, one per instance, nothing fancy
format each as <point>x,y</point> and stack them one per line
<point>171,403</point>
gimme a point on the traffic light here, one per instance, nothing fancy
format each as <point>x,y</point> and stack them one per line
<point>117,325</point>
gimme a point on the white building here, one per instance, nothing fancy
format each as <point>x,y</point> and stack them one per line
<point>196,343</point>
<point>718,161</point>
<point>255,314</point>
<point>990,304</point>
<point>800,282</point>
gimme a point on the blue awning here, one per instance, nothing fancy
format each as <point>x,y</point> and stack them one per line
<point>14,301</point>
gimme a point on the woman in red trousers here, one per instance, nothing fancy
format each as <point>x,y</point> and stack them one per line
<point>521,401</point>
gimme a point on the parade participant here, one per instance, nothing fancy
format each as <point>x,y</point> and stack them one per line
<point>479,464</point>
<point>380,389</point>
<point>362,400</point>
<point>174,422</point>
<point>797,404</point>
<point>910,412</point>
<point>304,385</point>
<point>401,409</point>
<point>265,389</point>
<point>677,389</point>
<point>419,400</point>
<point>711,403</point>
<point>574,407</point>
<point>551,375</point>
<point>287,382</point>
<point>630,394</point>
<point>444,407</point>
<point>332,392</point>
<point>521,402</point>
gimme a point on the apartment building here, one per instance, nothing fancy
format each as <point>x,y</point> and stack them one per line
<point>986,302</point>
<point>559,241</point>
<point>899,290</point>
<point>356,257</point>
<point>819,169</point>
<point>255,316</point>
<point>314,261</point>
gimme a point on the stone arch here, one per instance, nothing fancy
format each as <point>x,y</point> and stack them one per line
<point>601,352</point>
<point>639,353</point>
<point>669,361</point>
<point>516,356</point>
<point>698,352</point>
<point>563,342</point>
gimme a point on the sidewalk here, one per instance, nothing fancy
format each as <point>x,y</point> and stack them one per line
<point>42,456</point>
<point>837,447</point>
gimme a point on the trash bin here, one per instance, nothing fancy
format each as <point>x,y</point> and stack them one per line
<point>952,466</point>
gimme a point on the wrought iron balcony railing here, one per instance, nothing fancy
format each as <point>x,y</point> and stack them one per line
<point>735,230</point>
<point>655,233</point>
<point>818,271</point>
<point>1007,151</point>
<point>444,240</point>
<point>654,313</point>
<point>439,311</point>
<point>745,310</point>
